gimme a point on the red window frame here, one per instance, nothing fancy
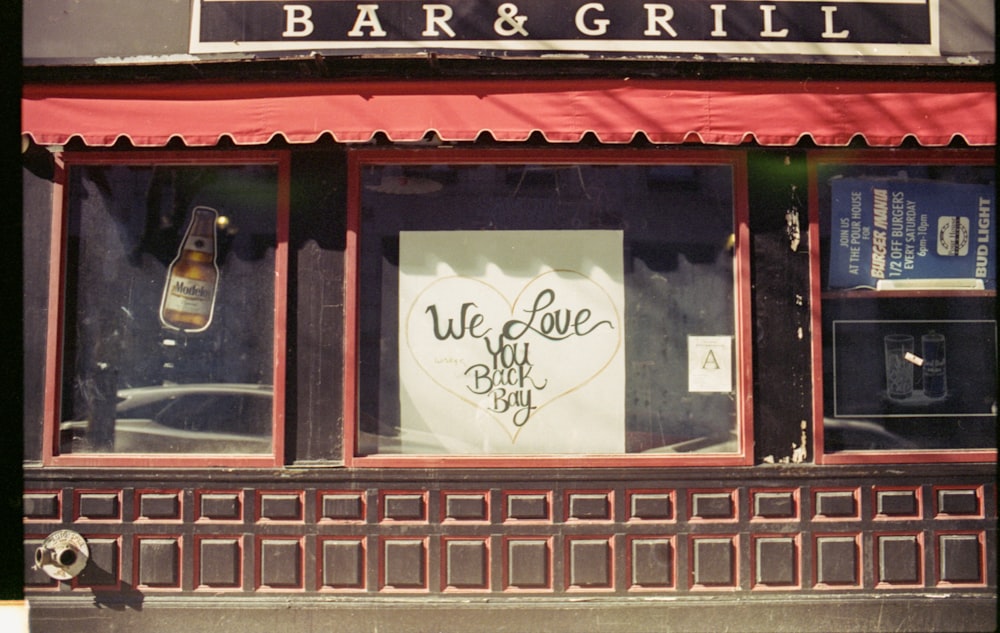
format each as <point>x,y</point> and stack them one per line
<point>359,158</point>
<point>56,307</point>
<point>901,158</point>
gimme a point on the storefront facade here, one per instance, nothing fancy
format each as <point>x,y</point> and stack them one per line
<point>418,316</point>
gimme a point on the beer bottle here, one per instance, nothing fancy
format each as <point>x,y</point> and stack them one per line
<point>189,294</point>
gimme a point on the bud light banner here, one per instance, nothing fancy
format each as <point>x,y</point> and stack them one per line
<point>512,341</point>
<point>900,233</point>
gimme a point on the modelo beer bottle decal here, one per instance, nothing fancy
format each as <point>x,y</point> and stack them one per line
<point>189,295</point>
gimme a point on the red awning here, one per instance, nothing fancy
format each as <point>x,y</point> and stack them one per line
<point>773,113</point>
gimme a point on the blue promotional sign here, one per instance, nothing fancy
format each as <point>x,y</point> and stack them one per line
<point>890,232</point>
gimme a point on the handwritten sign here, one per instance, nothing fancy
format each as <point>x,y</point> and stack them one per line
<point>512,341</point>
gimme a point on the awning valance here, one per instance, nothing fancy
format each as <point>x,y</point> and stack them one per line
<point>772,113</point>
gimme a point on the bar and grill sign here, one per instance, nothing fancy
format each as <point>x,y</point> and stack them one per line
<point>873,28</point>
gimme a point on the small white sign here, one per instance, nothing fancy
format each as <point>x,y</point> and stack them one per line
<point>710,364</point>
<point>512,342</point>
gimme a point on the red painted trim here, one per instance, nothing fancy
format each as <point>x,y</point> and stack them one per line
<point>54,336</point>
<point>742,308</point>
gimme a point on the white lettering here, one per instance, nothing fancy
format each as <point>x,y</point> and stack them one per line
<point>437,18</point>
<point>600,24</point>
<point>768,11</point>
<point>718,31</point>
<point>659,15</point>
<point>298,20</point>
<point>828,32</point>
<point>367,17</point>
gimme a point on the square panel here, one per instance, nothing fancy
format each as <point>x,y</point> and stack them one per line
<point>220,562</point>
<point>960,558</point>
<point>279,564</point>
<point>527,564</point>
<point>775,561</point>
<point>652,562</point>
<point>158,562</point>
<point>404,564</point>
<point>838,560</point>
<point>343,563</point>
<point>899,559</point>
<point>466,564</point>
<point>590,563</point>
<point>713,562</point>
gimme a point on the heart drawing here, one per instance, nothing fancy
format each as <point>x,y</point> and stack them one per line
<point>510,359</point>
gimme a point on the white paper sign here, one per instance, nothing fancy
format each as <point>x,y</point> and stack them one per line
<point>710,364</point>
<point>512,341</point>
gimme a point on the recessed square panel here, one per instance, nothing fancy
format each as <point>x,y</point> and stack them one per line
<point>219,562</point>
<point>281,563</point>
<point>775,561</point>
<point>714,562</point>
<point>466,564</point>
<point>652,562</point>
<point>837,560</point>
<point>590,563</point>
<point>527,564</point>
<point>960,558</point>
<point>899,559</point>
<point>343,563</point>
<point>405,564</point>
<point>159,562</point>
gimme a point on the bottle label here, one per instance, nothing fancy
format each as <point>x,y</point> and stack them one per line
<point>189,295</point>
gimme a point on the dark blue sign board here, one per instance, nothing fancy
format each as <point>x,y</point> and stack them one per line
<point>865,28</point>
<point>887,233</point>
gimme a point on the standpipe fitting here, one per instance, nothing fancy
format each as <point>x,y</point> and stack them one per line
<point>62,555</point>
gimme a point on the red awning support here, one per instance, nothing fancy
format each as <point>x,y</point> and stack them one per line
<point>772,113</point>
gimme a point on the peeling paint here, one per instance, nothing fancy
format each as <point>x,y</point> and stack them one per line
<point>149,59</point>
<point>968,60</point>
<point>792,229</point>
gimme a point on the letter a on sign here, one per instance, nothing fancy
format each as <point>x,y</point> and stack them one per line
<point>710,364</point>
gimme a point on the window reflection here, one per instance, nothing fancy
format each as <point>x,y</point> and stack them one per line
<point>159,358</point>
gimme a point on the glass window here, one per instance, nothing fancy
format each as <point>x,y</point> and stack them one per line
<point>907,269</point>
<point>531,303</point>
<point>170,307</point>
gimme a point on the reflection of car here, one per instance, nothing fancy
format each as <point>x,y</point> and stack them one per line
<point>194,418</point>
<point>860,435</point>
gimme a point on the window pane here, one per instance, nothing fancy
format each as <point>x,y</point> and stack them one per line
<point>547,309</point>
<point>909,327</point>
<point>169,309</point>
